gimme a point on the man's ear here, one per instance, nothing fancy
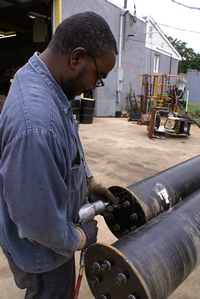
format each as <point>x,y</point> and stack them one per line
<point>77,56</point>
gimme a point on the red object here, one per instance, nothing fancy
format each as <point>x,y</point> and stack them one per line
<point>78,284</point>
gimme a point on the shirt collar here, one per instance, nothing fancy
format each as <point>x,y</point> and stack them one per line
<point>40,67</point>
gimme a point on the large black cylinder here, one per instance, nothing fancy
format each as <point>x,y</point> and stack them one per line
<point>148,198</point>
<point>87,110</point>
<point>76,108</point>
<point>150,262</point>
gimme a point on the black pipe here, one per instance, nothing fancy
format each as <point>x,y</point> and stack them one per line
<point>152,261</point>
<point>148,198</point>
<point>190,118</point>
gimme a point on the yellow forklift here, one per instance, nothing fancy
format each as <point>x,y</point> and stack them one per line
<point>163,117</point>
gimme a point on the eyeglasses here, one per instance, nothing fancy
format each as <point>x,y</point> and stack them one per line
<point>99,82</point>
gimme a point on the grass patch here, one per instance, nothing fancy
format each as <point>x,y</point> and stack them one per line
<point>193,111</point>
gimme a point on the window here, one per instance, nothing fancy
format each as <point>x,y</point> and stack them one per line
<point>150,32</point>
<point>156,63</point>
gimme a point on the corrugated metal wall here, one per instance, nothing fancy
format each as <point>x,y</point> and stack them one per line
<point>193,85</point>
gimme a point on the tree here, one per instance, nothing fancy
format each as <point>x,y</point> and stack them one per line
<point>190,59</point>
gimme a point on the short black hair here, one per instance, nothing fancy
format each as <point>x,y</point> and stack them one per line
<point>88,30</point>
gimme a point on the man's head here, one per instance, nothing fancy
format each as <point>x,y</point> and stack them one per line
<point>85,39</point>
<point>87,30</point>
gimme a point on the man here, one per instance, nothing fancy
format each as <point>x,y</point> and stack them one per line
<point>44,175</point>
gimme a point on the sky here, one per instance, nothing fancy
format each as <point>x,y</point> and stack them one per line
<point>171,14</point>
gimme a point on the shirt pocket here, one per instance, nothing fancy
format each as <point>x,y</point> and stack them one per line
<point>77,176</point>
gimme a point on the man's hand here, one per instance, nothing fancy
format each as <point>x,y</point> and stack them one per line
<point>87,234</point>
<point>99,192</point>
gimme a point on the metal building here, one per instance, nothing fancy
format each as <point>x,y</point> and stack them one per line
<point>193,86</point>
<point>143,47</point>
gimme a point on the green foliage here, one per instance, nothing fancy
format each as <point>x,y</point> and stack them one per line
<point>193,111</point>
<point>190,59</point>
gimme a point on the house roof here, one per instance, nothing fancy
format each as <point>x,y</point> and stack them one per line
<point>157,40</point>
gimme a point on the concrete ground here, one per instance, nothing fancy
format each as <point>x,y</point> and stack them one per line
<point>120,153</point>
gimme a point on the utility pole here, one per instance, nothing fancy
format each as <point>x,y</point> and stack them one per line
<point>125,3</point>
<point>120,78</point>
<point>124,24</point>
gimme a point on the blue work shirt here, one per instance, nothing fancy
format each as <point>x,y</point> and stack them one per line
<point>43,172</point>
